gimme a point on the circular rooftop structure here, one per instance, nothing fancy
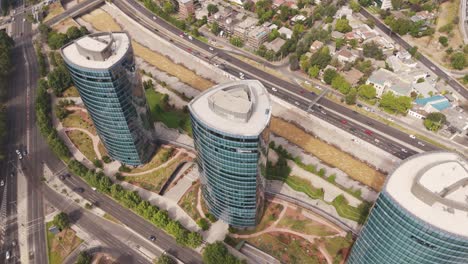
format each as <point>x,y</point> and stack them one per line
<point>433,187</point>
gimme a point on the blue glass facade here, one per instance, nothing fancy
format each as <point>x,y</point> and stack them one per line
<point>109,97</point>
<point>394,236</point>
<point>231,169</point>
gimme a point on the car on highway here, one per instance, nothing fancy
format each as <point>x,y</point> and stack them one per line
<point>343,121</point>
<point>25,152</point>
<point>404,150</point>
<point>79,190</point>
<point>24,19</point>
<point>323,112</point>
<point>368,132</point>
<point>297,103</point>
<point>152,238</point>
<point>190,37</point>
<point>421,144</point>
<point>154,18</point>
<point>211,48</point>
<point>181,35</point>
<point>189,49</point>
<point>377,141</point>
<point>412,136</point>
<point>369,123</point>
<point>352,129</point>
<point>274,89</point>
<point>8,255</point>
<point>2,183</point>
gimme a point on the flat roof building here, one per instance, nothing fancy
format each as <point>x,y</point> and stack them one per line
<point>421,215</point>
<point>103,70</point>
<point>230,130</point>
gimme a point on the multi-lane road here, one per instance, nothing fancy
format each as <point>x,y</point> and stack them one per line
<point>380,135</point>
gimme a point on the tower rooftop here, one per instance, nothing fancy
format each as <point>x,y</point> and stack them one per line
<point>238,108</point>
<point>433,187</point>
<point>98,50</point>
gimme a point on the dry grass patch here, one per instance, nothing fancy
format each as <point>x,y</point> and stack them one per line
<point>430,45</point>
<point>84,144</point>
<point>65,24</point>
<point>295,220</point>
<point>101,21</point>
<point>166,65</point>
<point>188,202</point>
<point>330,155</point>
<point>55,9</point>
<point>61,244</point>
<point>102,149</point>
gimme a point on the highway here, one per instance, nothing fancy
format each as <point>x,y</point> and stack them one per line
<point>423,59</point>
<point>336,114</point>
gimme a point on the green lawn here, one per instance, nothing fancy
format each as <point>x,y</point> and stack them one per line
<point>162,155</point>
<point>76,120</point>
<point>188,202</point>
<point>358,214</point>
<point>162,112</point>
<point>304,225</point>
<point>335,244</point>
<point>302,185</point>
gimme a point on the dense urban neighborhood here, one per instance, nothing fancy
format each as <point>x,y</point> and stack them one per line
<point>243,131</point>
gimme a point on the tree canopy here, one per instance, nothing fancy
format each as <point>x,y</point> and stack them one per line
<point>395,104</point>
<point>372,50</point>
<point>84,258</point>
<point>458,60</point>
<point>217,253</point>
<point>367,91</point>
<point>61,221</point>
<point>342,25</point>
<point>329,75</point>
<point>434,121</point>
<point>321,58</point>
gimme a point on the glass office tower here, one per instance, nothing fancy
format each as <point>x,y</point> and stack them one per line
<point>230,130</point>
<point>103,69</point>
<point>421,216</point>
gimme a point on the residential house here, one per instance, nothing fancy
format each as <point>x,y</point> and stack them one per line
<point>275,45</point>
<point>226,19</point>
<point>315,46</point>
<point>297,18</point>
<point>352,35</point>
<point>344,55</point>
<point>332,49</point>
<point>353,76</point>
<point>286,31</point>
<point>424,15</point>
<point>336,35</point>
<point>424,88</point>
<point>382,42</point>
<point>344,11</point>
<point>434,103</point>
<point>186,8</point>
<point>384,4</point>
<point>417,113</point>
<point>403,55</point>
<point>385,80</point>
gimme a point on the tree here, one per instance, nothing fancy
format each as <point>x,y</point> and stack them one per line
<point>56,40</point>
<point>321,58</point>
<point>397,4</point>
<point>350,98</point>
<point>215,28</point>
<point>293,62</point>
<point>329,75</point>
<point>59,80</point>
<point>248,5</point>
<point>395,104</point>
<point>273,35</point>
<point>434,121</point>
<point>339,83</point>
<point>367,91</point>
<point>168,7</point>
<point>166,259</point>
<point>217,253</point>
<point>372,50</point>
<point>61,221</point>
<point>443,40</point>
<point>314,71</point>
<point>355,6</point>
<point>6,44</point>
<point>339,42</point>
<point>342,25</point>
<point>203,224</point>
<point>212,9</point>
<point>84,258</point>
<point>73,33</point>
<point>236,41</point>
<point>365,3</point>
<point>458,60</point>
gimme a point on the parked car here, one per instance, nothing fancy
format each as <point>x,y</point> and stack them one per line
<point>412,136</point>
<point>421,144</point>
<point>152,238</point>
<point>2,183</point>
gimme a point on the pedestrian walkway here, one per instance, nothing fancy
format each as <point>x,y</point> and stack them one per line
<point>183,181</point>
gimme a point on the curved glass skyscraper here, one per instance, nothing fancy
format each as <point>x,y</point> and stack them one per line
<point>230,129</point>
<point>421,216</point>
<point>103,69</point>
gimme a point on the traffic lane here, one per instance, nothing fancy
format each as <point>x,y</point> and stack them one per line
<point>87,221</point>
<point>352,127</point>
<point>391,131</point>
<point>133,221</point>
